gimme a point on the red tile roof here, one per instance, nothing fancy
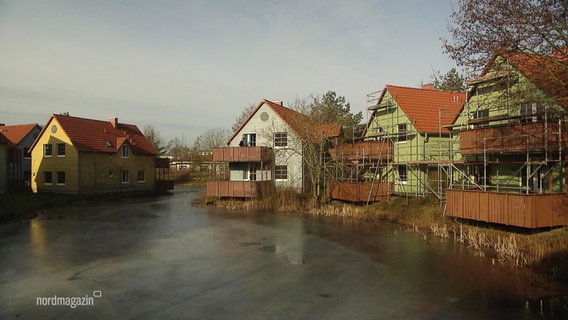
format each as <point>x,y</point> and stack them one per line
<point>295,120</point>
<point>428,110</point>
<point>101,136</point>
<point>550,73</point>
<point>16,133</point>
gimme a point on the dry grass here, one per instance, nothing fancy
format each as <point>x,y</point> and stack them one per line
<point>544,251</point>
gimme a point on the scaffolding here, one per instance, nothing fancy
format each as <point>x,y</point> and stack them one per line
<point>408,162</point>
<point>507,140</point>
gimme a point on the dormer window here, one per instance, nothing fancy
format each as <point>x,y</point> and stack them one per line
<point>124,151</point>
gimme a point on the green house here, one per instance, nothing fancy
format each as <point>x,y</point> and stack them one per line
<point>512,140</point>
<point>414,121</point>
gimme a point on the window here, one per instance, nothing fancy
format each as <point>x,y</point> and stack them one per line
<point>124,151</point>
<point>47,150</point>
<point>484,113</point>
<point>402,174</point>
<point>27,154</point>
<point>141,176</point>
<point>110,173</point>
<point>248,140</point>
<point>61,149</point>
<point>402,132</point>
<point>124,176</point>
<point>61,177</point>
<point>252,172</point>
<point>280,139</point>
<point>530,112</point>
<point>47,177</point>
<point>281,172</point>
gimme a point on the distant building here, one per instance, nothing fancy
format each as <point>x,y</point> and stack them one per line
<point>78,155</point>
<point>20,138</point>
<point>3,163</point>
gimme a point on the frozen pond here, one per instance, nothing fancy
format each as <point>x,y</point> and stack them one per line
<point>161,258</point>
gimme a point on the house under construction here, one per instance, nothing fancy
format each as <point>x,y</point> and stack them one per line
<point>405,147</point>
<point>512,144</point>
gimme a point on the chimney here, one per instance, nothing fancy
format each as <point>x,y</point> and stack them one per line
<point>114,122</point>
<point>428,86</point>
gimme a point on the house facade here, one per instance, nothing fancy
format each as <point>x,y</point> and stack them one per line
<point>406,144</point>
<point>3,163</point>
<point>265,152</point>
<point>78,155</point>
<point>512,137</point>
<point>20,138</point>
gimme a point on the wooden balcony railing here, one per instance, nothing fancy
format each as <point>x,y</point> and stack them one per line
<point>359,191</point>
<point>162,163</point>
<point>518,138</point>
<point>237,189</point>
<point>243,154</point>
<point>372,150</point>
<point>513,209</point>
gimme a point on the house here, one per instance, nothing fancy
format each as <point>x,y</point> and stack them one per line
<point>268,150</point>
<point>4,143</point>
<point>405,147</point>
<point>20,139</point>
<point>513,139</point>
<point>79,155</point>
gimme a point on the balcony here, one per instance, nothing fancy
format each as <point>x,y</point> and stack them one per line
<point>512,209</point>
<point>536,137</point>
<point>359,191</point>
<point>243,154</point>
<point>371,150</point>
<point>237,189</point>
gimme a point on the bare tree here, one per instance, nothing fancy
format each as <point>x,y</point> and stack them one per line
<point>242,117</point>
<point>178,148</point>
<point>538,28</point>
<point>211,138</point>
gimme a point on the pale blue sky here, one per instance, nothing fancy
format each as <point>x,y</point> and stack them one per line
<point>186,66</point>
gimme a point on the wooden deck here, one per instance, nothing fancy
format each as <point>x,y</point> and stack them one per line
<point>237,189</point>
<point>243,154</point>
<point>359,191</point>
<point>372,150</point>
<point>517,138</point>
<point>513,209</point>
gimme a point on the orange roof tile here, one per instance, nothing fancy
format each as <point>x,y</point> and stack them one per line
<point>295,120</point>
<point>16,133</point>
<point>423,107</point>
<point>545,72</point>
<point>101,136</point>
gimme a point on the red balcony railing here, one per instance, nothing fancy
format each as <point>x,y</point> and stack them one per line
<point>372,150</point>
<point>243,154</point>
<point>237,189</point>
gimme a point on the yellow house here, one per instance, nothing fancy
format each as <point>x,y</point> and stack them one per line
<point>78,155</point>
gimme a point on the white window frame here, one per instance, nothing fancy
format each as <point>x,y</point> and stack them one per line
<point>46,147</point>
<point>276,172</point>
<point>399,179</point>
<point>57,149</point>
<point>398,130</point>
<point>50,175</point>
<point>280,139</point>
<point>124,177</point>
<point>59,183</point>
<point>143,176</point>
<point>124,151</point>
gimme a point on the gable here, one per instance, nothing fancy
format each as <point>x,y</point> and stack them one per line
<point>428,111</point>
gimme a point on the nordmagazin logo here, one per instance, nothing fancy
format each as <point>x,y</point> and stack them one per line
<point>72,302</point>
